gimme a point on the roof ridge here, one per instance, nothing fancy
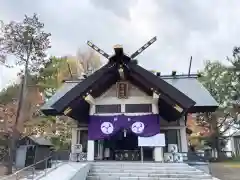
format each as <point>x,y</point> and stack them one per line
<point>163,77</point>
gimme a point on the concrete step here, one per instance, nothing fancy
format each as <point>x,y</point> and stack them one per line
<point>145,172</point>
<point>203,176</point>
<point>115,168</point>
<point>139,178</point>
<point>140,164</point>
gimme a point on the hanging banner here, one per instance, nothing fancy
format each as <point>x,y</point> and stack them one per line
<point>101,127</point>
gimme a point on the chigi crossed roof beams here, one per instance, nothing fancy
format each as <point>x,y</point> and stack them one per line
<point>172,103</point>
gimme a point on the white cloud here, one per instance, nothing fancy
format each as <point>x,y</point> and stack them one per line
<point>202,29</point>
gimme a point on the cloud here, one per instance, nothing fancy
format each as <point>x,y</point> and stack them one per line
<point>119,8</point>
<point>202,29</point>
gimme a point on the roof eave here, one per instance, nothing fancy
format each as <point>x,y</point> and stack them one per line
<point>197,109</point>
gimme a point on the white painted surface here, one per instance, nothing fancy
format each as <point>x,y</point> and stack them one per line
<point>157,151</point>
<point>64,172</point>
<point>90,150</point>
<point>74,136</point>
<point>158,154</point>
<point>21,156</point>
<point>183,138</point>
<point>136,96</point>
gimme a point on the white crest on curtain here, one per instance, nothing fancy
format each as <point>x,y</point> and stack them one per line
<point>138,127</point>
<point>107,128</point>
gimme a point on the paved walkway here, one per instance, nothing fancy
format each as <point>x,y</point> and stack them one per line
<point>2,170</point>
<point>64,172</point>
<point>28,173</point>
<point>225,171</point>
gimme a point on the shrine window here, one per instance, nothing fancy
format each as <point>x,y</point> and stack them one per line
<point>113,108</point>
<point>137,108</point>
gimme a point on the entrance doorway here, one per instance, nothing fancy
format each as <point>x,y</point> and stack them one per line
<point>124,147</point>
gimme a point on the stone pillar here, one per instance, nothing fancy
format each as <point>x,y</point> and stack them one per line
<point>90,150</point>
<point>184,143</point>
<point>90,145</point>
<point>158,154</point>
<point>101,149</point>
<point>74,136</point>
<point>157,151</point>
<point>183,136</point>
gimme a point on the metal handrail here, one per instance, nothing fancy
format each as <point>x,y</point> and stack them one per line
<point>29,171</point>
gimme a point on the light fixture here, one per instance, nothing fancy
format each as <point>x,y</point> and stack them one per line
<point>124,132</point>
<point>121,72</point>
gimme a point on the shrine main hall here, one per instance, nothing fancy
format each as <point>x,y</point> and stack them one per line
<point>122,101</point>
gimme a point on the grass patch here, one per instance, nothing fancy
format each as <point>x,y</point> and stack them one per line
<point>232,165</point>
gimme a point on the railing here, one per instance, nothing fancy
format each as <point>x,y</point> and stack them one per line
<point>3,157</point>
<point>34,171</point>
<point>197,157</point>
<point>77,157</point>
<point>3,154</point>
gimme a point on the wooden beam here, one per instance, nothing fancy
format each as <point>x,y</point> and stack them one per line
<point>178,108</point>
<point>88,98</point>
<point>156,95</point>
<point>67,111</point>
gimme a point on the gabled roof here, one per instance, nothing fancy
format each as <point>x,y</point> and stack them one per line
<point>100,78</point>
<point>47,107</point>
<point>172,102</point>
<point>105,77</point>
<point>187,85</point>
<point>191,87</point>
<point>161,86</point>
<point>41,141</point>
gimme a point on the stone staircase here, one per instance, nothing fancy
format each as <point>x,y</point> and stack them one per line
<point>144,171</point>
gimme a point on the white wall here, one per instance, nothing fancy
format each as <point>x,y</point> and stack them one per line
<point>136,96</point>
<point>232,130</point>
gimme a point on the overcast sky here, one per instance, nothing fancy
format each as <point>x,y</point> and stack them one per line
<point>204,29</point>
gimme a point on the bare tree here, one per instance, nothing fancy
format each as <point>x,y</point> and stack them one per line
<point>88,61</point>
<point>28,42</point>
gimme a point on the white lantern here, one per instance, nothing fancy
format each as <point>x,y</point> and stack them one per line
<point>178,157</point>
<point>172,148</point>
<point>168,157</point>
<point>238,117</point>
<point>77,148</point>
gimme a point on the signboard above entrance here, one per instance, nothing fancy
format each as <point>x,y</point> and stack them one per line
<point>122,90</point>
<point>157,140</point>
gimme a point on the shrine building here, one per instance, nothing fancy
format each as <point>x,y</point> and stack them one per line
<point>122,101</point>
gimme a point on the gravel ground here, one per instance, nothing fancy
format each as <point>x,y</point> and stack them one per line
<point>2,170</point>
<point>225,171</point>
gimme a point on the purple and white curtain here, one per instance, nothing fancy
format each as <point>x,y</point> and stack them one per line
<point>101,127</point>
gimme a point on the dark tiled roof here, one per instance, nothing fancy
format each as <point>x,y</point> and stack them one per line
<point>193,89</point>
<point>188,85</point>
<point>41,140</point>
<point>47,107</point>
